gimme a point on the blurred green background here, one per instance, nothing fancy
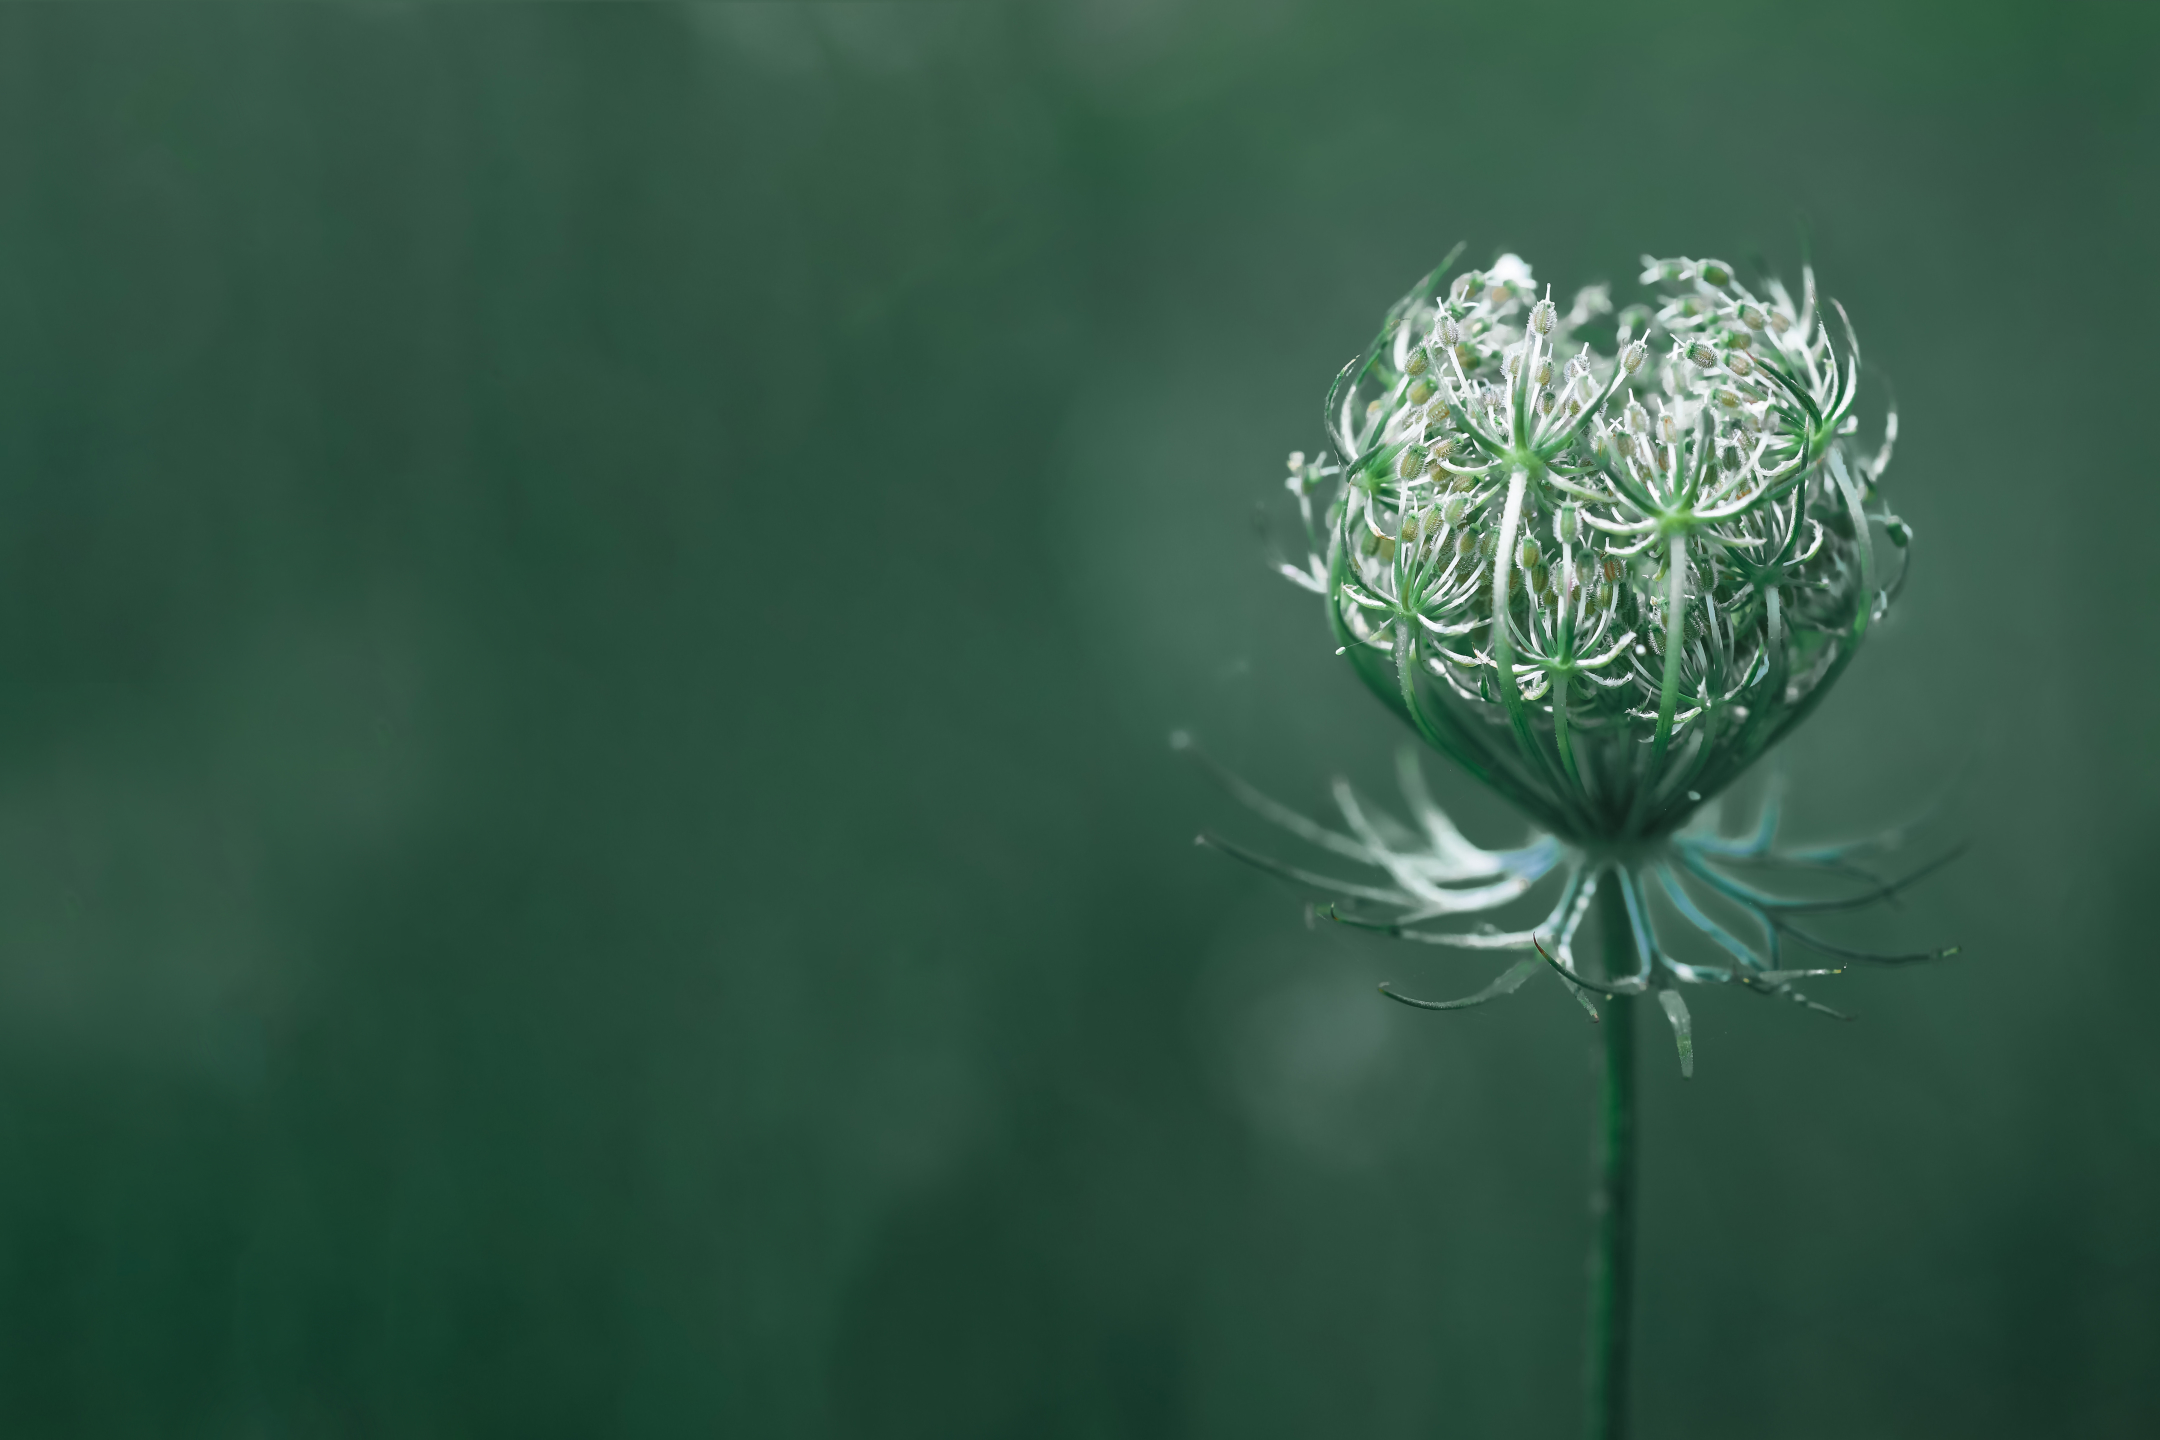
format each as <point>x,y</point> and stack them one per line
<point>590,601</point>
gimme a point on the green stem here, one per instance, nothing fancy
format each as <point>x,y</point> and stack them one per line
<point>1612,1187</point>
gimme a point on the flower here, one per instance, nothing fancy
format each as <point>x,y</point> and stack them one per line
<point>1605,585</point>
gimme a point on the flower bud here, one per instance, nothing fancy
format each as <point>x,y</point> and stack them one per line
<point>1297,459</point>
<point>1429,494</point>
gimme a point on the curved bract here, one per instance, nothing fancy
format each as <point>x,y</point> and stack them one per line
<point>1418,876</point>
<point>1603,562</point>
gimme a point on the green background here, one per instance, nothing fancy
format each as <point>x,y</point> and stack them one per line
<point>590,602</point>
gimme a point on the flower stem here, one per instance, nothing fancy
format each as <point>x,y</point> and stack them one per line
<point>1612,1189</point>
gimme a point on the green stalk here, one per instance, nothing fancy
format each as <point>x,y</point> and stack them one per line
<point>1535,760</point>
<point>1669,694</point>
<point>1612,1187</point>
<point>1561,739</point>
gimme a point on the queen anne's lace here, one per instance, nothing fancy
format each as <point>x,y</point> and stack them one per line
<point>1677,530</point>
<point>1604,581</point>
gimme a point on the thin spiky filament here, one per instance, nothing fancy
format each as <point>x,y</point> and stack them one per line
<point>1428,872</point>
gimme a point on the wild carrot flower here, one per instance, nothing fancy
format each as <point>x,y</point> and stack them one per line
<point>1604,563</point>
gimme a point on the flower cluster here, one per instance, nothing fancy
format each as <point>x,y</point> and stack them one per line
<point>1604,562</point>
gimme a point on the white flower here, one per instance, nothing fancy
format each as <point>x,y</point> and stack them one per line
<point>1713,571</point>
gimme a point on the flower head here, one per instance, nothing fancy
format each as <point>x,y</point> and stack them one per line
<point>1716,493</point>
<point>1604,581</point>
